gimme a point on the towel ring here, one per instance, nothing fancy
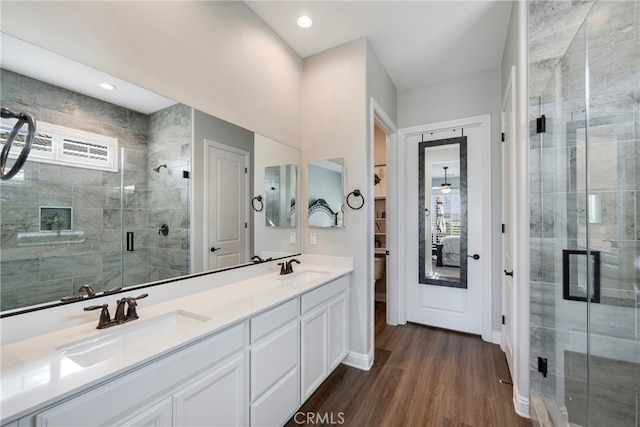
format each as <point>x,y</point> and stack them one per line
<point>355,193</point>
<point>253,203</point>
<point>28,141</point>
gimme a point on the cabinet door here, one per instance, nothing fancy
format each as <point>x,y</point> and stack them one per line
<point>279,403</point>
<point>219,398</point>
<point>158,415</point>
<point>338,330</point>
<point>314,350</point>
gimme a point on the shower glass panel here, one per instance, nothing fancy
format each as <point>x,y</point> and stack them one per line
<point>107,222</point>
<point>585,292</point>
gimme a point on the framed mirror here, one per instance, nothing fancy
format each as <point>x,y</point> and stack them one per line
<point>442,210</point>
<point>280,196</point>
<point>70,221</point>
<point>326,193</point>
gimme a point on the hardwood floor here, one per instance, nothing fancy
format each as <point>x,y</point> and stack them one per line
<point>421,376</point>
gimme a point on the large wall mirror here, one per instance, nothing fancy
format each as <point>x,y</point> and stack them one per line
<point>326,193</point>
<point>112,193</point>
<point>442,210</point>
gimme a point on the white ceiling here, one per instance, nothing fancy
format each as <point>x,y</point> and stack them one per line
<point>418,42</point>
<point>40,64</point>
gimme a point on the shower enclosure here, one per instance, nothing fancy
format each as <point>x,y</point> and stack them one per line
<point>585,224</point>
<point>63,226</point>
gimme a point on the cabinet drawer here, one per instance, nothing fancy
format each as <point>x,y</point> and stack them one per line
<point>278,404</point>
<point>273,319</point>
<point>113,399</point>
<point>313,298</point>
<point>273,358</point>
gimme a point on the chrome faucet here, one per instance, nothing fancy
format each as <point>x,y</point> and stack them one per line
<point>287,267</point>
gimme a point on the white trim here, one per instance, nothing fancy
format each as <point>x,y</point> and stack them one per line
<point>496,337</point>
<point>364,362</point>
<point>378,116</point>
<point>484,121</point>
<point>520,402</point>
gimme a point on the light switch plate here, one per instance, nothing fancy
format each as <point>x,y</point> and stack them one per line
<point>292,237</point>
<point>313,239</point>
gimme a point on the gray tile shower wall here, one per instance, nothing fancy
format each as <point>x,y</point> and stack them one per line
<point>169,143</point>
<point>558,201</point>
<point>45,267</point>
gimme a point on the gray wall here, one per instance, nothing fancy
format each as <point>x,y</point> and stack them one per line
<point>223,132</point>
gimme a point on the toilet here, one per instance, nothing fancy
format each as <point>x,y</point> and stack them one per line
<point>379,286</point>
<point>378,272</point>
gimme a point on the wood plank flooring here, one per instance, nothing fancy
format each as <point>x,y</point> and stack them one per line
<point>421,376</point>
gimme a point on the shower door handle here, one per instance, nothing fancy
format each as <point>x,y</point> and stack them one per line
<point>130,241</point>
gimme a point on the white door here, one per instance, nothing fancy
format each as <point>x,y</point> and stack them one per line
<point>226,207</point>
<point>447,307</point>
<point>508,160</point>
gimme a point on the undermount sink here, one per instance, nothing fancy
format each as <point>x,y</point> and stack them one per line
<point>303,277</point>
<point>117,342</point>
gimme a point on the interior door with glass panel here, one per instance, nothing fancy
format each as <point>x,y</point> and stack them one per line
<point>448,292</point>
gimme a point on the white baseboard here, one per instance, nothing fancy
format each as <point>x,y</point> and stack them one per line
<point>496,337</point>
<point>520,403</point>
<point>360,361</point>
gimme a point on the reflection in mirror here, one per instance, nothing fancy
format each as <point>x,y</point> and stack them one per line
<point>326,193</point>
<point>113,206</point>
<point>443,212</point>
<point>280,196</point>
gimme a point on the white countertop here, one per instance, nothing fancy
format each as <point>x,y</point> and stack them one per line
<point>35,374</point>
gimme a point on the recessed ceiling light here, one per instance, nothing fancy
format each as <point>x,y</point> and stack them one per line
<point>304,21</point>
<point>107,86</point>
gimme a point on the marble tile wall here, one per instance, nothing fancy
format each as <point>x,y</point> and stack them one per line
<point>558,202</point>
<point>47,266</point>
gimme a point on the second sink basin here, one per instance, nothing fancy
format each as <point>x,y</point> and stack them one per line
<point>303,277</point>
<point>117,343</point>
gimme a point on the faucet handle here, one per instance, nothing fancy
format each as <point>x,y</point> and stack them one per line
<point>132,313</point>
<point>283,268</point>
<point>95,307</point>
<point>105,317</point>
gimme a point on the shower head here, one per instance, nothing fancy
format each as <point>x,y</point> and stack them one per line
<point>164,165</point>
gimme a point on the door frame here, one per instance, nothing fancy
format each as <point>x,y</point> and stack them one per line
<point>484,122</point>
<point>509,95</point>
<point>210,143</point>
<point>377,116</point>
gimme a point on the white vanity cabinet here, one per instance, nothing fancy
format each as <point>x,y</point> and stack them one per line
<point>202,384</point>
<point>275,365</point>
<point>257,371</point>
<point>324,325</point>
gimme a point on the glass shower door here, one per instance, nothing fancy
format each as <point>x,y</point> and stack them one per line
<point>585,294</point>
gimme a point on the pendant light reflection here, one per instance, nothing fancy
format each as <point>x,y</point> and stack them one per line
<point>445,187</point>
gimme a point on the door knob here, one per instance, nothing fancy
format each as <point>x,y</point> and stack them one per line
<point>508,273</point>
<point>214,249</point>
<point>474,256</point>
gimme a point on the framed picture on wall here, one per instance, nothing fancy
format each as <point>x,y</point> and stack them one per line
<point>380,180</point>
